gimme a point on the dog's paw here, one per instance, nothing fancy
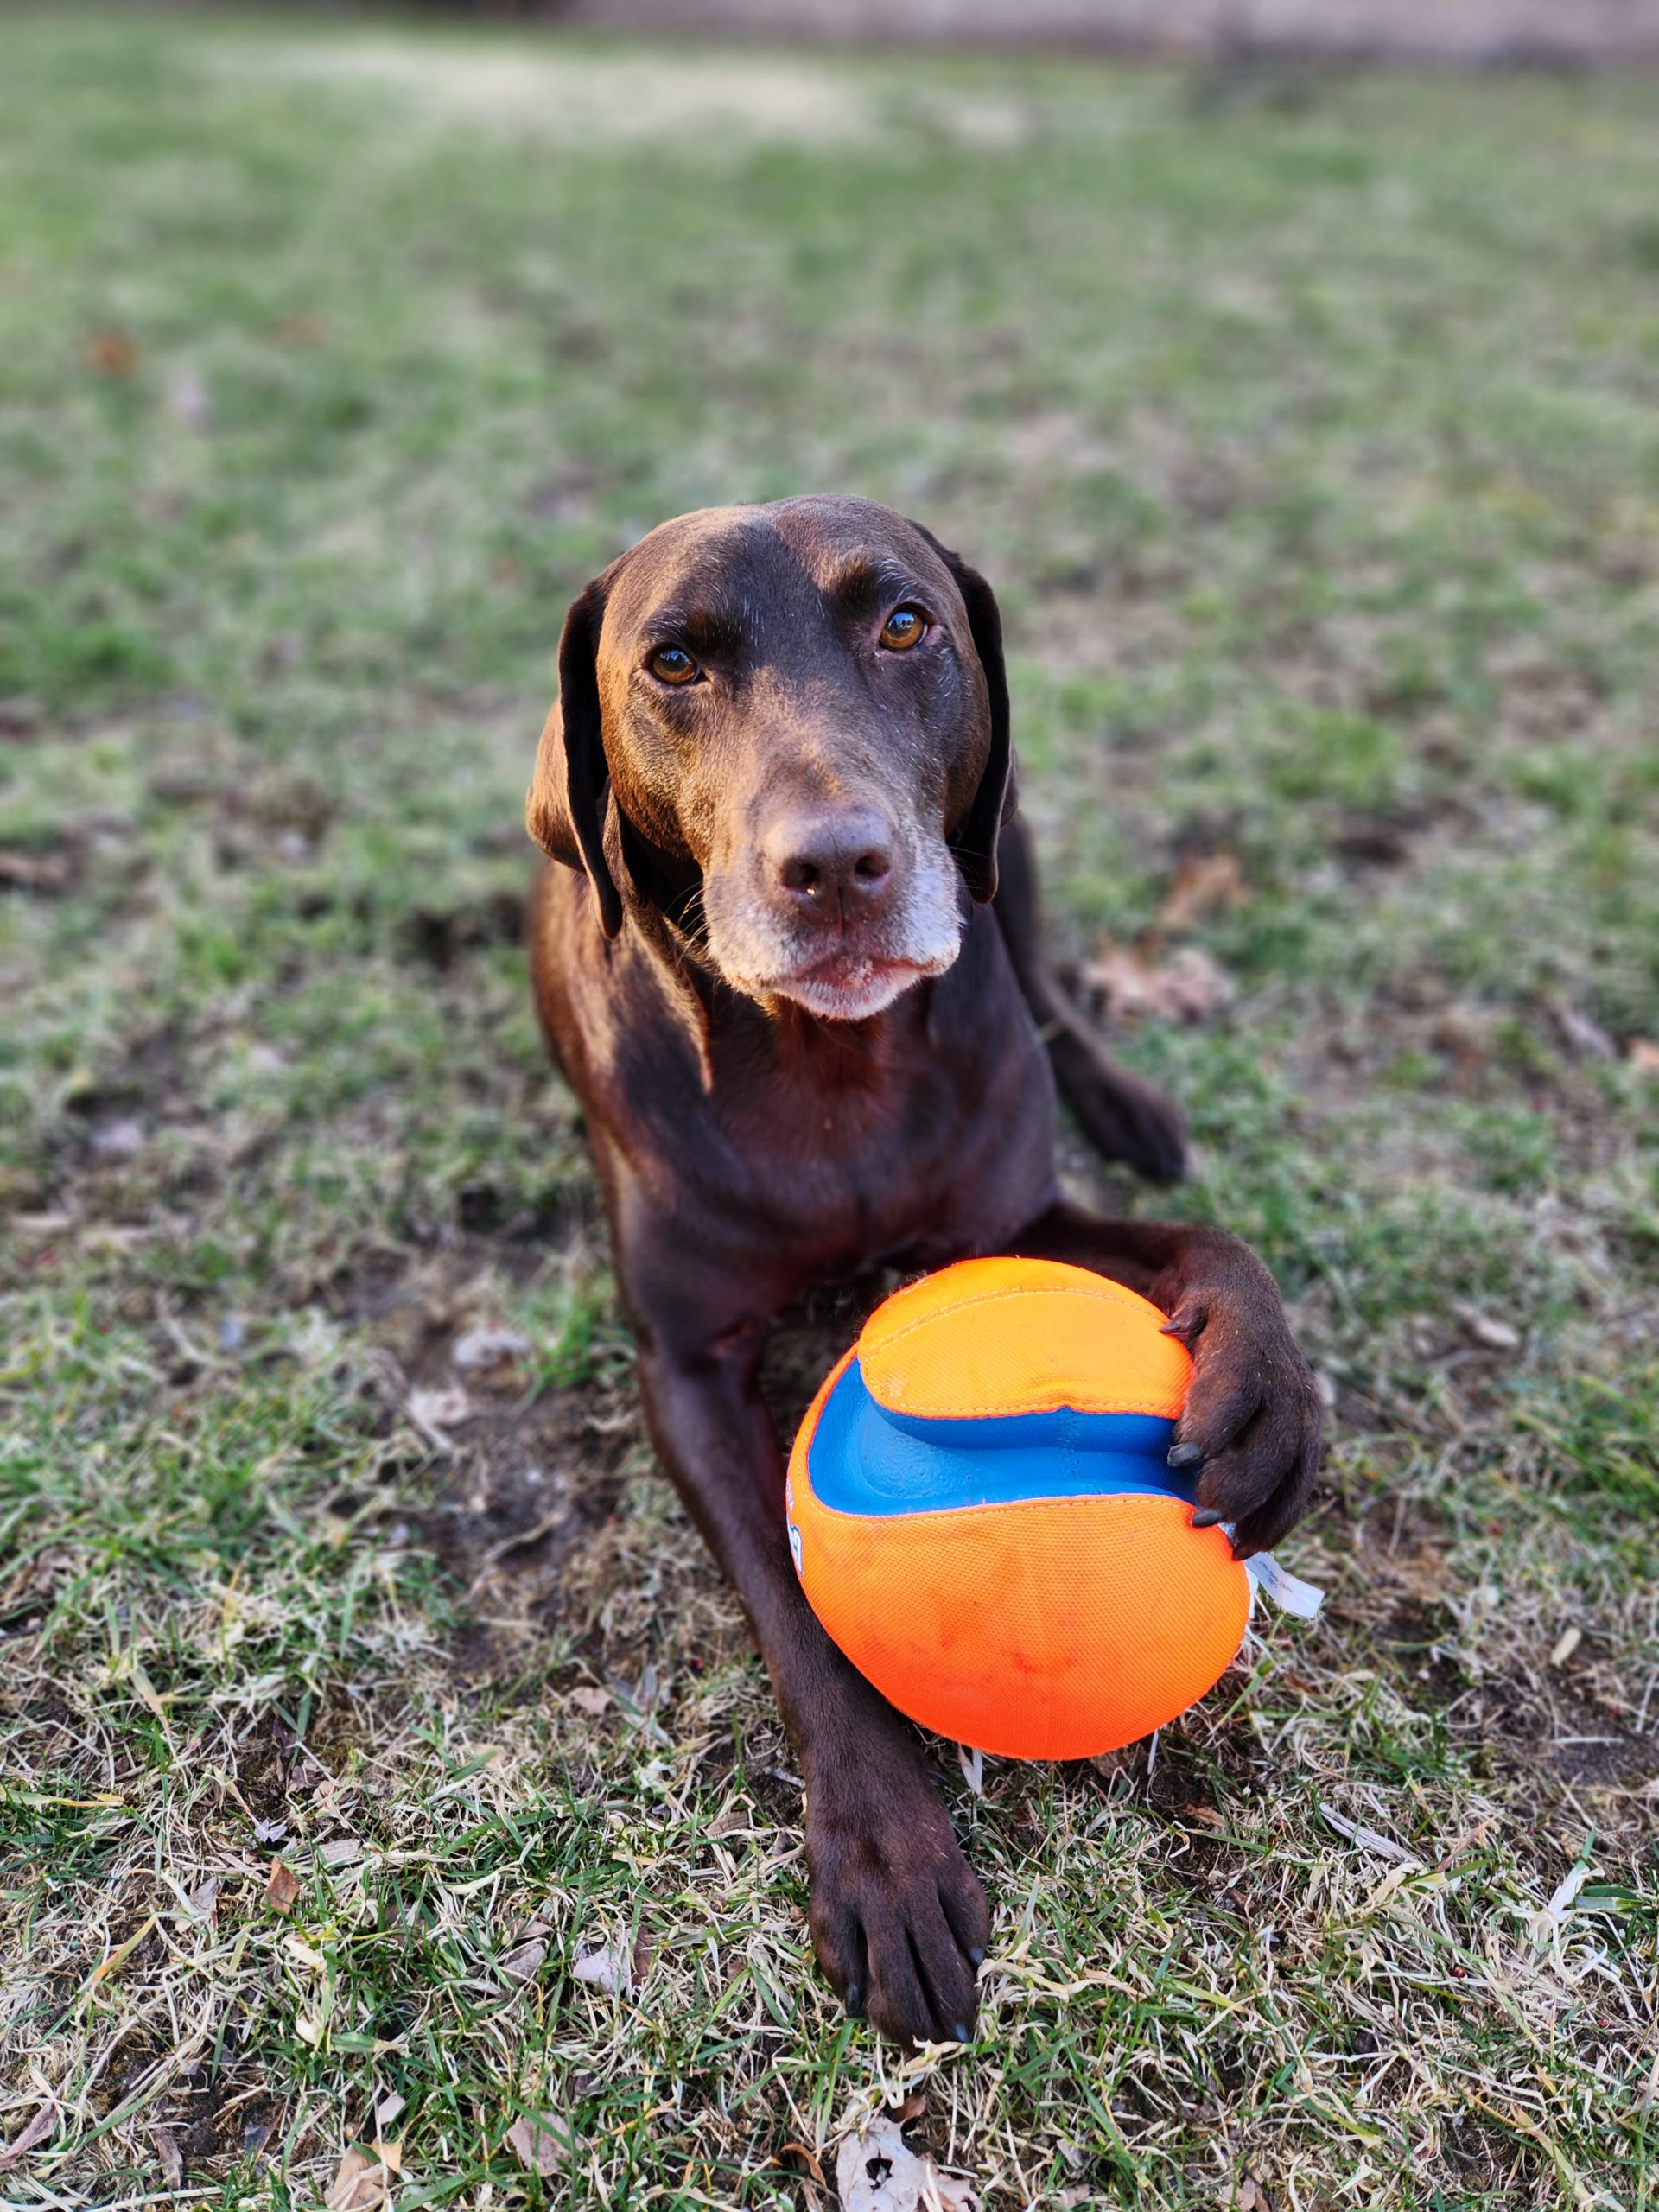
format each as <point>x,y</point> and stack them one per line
<point>898,1920</point>
<point>1253,1422</point>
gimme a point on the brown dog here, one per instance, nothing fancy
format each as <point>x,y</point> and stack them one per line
<point>789,966</point>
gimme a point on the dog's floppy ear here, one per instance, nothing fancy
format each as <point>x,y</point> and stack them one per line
<point>565,810</point>
<point>974,839</point>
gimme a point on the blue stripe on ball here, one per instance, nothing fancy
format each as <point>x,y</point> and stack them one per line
<point>864,1458</point>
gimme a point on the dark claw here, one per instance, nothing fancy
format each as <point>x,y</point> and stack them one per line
<point>1185,1455</point>
<point>975,1958</point>
<point>854,2001</point>
<point>960,2032</point>
<point>1208,1517</point>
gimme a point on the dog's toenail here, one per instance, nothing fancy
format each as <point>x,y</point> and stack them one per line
<point>1207,1516</point>
<point>977,1957</point>
<point>960,2032</point>
<point>1185,1455</point>
<point>855,2000</point>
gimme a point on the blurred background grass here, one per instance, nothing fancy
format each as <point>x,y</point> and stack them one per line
<point>1308,434</point>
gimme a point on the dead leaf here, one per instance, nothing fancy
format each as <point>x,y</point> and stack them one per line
<point>119,1140</point>
<point>34,2132</point>
<point>477,1348</point>
<point>345,1851</point>
<point>48,872</point>
<point>1205,882</point>
<point>876,2171</point>
<point>281,1886</point>
<point>298,330</point>
<point>204,1898</point>
<point>111,353</point>
<point>523,1961</point>
<point>590,1701</point>
<point>1486,1328</point>
<point>361,2183</point>
<point>1368,1838</point>
<point>1566,1645</point>
<point>539,2142</point>
<point>1585,1035</point>
<point>913,2108</point>
<point>809,2159</point>
<point>609,1968</point>
<point>1642,1052</point>
<point>434,1413</point>
<point>392,2154</point>
<point>268,1831</point>
<point>1132,985</point>
<point>167,2157</point>
<point>387,2109</point>
<point>189,400</point>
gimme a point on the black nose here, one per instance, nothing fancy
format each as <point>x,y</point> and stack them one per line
<point>837,864</point>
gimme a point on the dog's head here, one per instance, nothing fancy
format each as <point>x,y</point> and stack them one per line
<point>787,728</point>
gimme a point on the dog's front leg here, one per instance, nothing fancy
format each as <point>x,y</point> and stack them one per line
<point>898,1919</point>
<point>1253,1420</point>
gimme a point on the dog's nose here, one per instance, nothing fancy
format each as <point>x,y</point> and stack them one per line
<point>838,864</point>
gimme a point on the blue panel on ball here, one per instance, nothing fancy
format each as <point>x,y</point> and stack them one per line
<point>864,1458</point>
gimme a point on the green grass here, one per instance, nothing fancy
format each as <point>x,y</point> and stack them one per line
<point>1313,453</point>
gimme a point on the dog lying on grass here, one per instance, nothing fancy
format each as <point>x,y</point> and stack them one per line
<point>789,960</point>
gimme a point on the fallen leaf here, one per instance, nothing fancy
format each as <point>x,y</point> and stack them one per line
<point>1642,1052</point>
<point>590,1701</point>
<point>1205,882</point>
<point>189,400</point>
<point>344,1853</point>
<point>392,2154</point>
<point>167,2157</point>
<point>1131,984</point>
<point>476,1349</point>
<point>434,1413</point>
<point>523,1961</point>
<point>44,871</point>
<point>913,2108</point>
<point>34,2132</point>
<point>387,2109</point>
<point>119,1140</point>
<point>298,330</point>
<point>281,1886</point>
<point>1584,1034</point>
<point>361,2183</point>
<point>111,353</point>
<point>1566,1646</point>
<point>809,2159</point>
<point>609,1968</point>
<point>270,1831</point>
<point>876,2171</point>
<point>1368,1838</point>
<point>539,2142</point>
<point>1486,1328</point>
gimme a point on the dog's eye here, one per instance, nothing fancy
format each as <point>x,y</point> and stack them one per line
<point>903,628</point>
<point>672,664</point>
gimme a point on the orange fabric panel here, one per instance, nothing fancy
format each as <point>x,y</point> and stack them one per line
<point>1050,1628</point>
<point>1003,1336</point>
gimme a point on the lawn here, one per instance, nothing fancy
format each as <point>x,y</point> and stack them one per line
<point>382,1760</point>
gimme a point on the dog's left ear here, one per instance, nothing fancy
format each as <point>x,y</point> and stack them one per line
<point>564,811</point>
<point>974,838</point>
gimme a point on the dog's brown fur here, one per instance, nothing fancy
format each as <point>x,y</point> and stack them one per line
<point>790,964</point>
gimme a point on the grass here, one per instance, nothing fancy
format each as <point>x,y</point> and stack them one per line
<point>1312,449</point>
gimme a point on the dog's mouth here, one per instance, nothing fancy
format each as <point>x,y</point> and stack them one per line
<point>850,987</point>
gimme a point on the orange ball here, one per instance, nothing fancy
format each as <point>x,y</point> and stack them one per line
<point>983,1517</point>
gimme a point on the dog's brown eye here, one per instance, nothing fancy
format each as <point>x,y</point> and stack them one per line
<point>673,664</point>
<point>903,627</point>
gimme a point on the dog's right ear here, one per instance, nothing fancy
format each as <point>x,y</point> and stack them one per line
<point>565,810</point>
